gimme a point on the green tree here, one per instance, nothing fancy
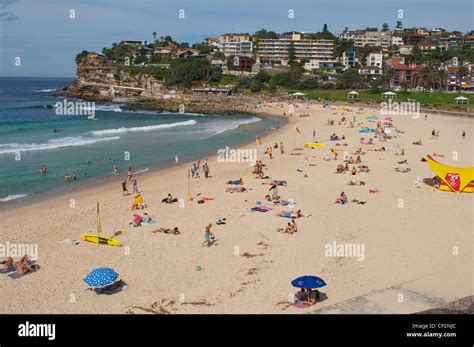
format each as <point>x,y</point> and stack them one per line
<point>387,76</point>
<point>154,36</point>
<point>349,79</point>
<point>341,45</point>
<point>263,76</point>
<point>461,76</point>
<point>291,53</point>
<point>385,27</point>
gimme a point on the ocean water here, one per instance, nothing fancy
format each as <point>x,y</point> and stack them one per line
<point>151,139</point>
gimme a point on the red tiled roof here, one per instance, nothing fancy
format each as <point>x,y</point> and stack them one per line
<point>452,69</point>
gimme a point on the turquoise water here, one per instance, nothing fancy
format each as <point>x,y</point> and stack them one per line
<point>28,141</point>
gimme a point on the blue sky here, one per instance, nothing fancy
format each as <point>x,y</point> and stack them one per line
<point>41,33</point>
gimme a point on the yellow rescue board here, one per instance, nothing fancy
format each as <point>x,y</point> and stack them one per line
<point>313,145</point>
<point>103,240</point>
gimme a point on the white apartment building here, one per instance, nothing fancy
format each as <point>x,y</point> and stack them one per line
<point>277,49</point>
<point>406,49</point>
<point>397,40</point>
<point>232,48</point>
<point>373,38</point>
<point>374,59</point>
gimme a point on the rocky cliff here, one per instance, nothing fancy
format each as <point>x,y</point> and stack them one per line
<point>99,79</point>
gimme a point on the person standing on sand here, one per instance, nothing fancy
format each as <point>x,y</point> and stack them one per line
<point>176,160</point>
<point>463,134</point>
<point>198,168</point>
<point>270,152</point>
<point>206,170</point>
<point>124,188</point>
<point>208,236</point>
<point>129,173</point>
<point>135,186</point>
<point>281,148</point>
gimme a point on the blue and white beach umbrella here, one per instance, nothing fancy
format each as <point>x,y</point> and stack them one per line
<point>101,277</point>
<point>308,282</point>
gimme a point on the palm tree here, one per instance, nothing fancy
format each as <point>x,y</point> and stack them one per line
<point>387,76</point>
<point>154,36</point>
<point>442,76</point>
<point>461,74</point>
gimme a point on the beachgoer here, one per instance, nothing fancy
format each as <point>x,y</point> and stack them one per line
<point>124,188</point>
<point>342,199</point>
<point>135,186</point>
<point>67,178</point>
<point>206,170</point>
<point>176,160</point>
<point>174,231</point>
<point>208,236</point>
<point>146,218</point>
<point>129,173</point>
<point>136,220</point>
<point>115,169</point>
<point>281,148</point>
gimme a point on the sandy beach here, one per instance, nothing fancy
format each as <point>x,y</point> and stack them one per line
<point>424,245</point>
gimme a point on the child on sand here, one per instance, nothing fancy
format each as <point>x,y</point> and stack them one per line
<point>135,186</point>
<point>342,199</point>
<point>124,188</point>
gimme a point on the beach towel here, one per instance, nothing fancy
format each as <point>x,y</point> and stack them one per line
<point>101,291</point>
<point>236,182</point>
<point>70,242</point>
<point>301,304</point>
<point>285,202</point>
<point>10,269</point>
<point>261,209</point>
<point>16,275</point>
<point>149,223</point>
<point>374,190</point>
<point>234,190</point>
<point>207,199</point>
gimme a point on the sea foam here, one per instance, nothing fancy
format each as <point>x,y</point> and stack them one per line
<point>148,128</point>
<point>52,144</point>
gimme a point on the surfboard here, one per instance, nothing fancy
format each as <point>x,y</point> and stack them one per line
<point>313,145</point>
<point>103,240</point>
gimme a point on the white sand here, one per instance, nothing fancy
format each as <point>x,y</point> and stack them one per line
<point>412,245</point>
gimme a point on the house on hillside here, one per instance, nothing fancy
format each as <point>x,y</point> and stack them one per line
<point>186,53</point>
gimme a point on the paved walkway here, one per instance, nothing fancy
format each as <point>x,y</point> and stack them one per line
<point>396,299</point>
